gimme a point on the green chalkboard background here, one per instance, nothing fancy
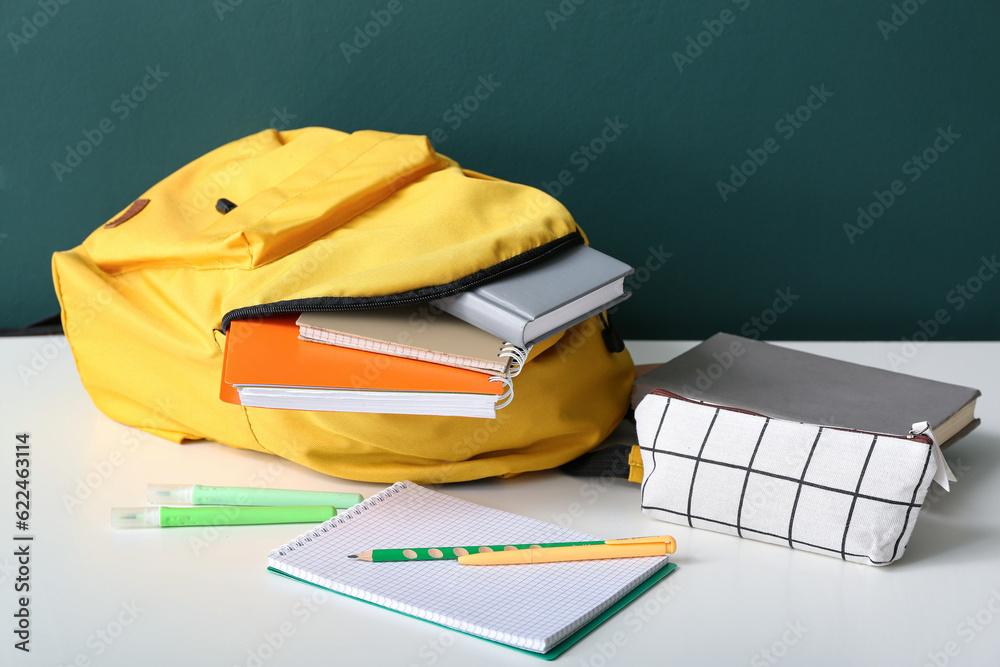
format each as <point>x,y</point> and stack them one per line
<point>839,97</point>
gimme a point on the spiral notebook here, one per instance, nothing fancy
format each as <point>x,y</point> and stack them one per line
<point>414,332</point>
<point>540,609</point>
<point>267,366</point>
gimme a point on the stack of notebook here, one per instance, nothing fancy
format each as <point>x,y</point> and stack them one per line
<point>456,356</point>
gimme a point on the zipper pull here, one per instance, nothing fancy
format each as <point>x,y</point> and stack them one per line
<point>612,339</point>
<point>943,474</point>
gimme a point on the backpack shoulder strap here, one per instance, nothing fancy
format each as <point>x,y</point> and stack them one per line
<point>51,325</point>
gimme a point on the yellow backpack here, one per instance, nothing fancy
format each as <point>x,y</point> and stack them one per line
<point>316,219</point>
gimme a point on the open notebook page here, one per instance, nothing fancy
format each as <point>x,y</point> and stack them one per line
<point>532,607</point>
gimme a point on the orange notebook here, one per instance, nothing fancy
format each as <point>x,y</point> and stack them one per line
<point>269,353</point>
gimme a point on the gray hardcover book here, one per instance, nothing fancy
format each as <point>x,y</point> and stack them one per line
<point>778,382</point>
<point>544,299</point>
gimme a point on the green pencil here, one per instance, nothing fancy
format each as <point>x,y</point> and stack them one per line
<point>451,553</point>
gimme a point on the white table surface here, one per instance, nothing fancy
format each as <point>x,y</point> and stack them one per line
<point>203,596</point>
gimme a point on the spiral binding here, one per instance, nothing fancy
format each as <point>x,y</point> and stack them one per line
<point>517,356</point>
<point>341,518</point>
<point>508,394</point>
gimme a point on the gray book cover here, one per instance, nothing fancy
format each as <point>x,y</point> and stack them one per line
<point>545,298</point>
<point>788,384</point>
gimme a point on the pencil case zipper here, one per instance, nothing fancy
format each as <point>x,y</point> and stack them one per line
<point>912,435</point>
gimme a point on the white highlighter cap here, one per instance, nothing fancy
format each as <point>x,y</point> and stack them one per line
<point>135,517</point>
<point>170,494</point>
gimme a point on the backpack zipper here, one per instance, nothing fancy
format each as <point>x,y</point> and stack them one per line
<point>334,303</point>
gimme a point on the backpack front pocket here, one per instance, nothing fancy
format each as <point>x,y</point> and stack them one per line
<point>258,199</point>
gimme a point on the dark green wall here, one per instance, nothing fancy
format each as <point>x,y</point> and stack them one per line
<point>654,189</point>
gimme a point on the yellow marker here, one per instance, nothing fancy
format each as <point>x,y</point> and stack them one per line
<point>634,547</point>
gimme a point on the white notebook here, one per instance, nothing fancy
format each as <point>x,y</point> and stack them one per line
<point>530,607</point>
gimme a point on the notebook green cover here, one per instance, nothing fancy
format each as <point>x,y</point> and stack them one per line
<point>562,646</point>
<point>542,609</point>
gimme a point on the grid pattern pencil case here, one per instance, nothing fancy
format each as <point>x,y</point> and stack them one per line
<point>850,494</point>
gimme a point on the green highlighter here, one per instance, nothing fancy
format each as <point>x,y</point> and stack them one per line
<point>166,517</point>
<point>196,494</point>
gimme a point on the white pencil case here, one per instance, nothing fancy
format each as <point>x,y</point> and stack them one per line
<point>850,494</point>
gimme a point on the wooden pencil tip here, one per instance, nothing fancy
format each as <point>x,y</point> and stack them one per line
<point>353,556</point>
